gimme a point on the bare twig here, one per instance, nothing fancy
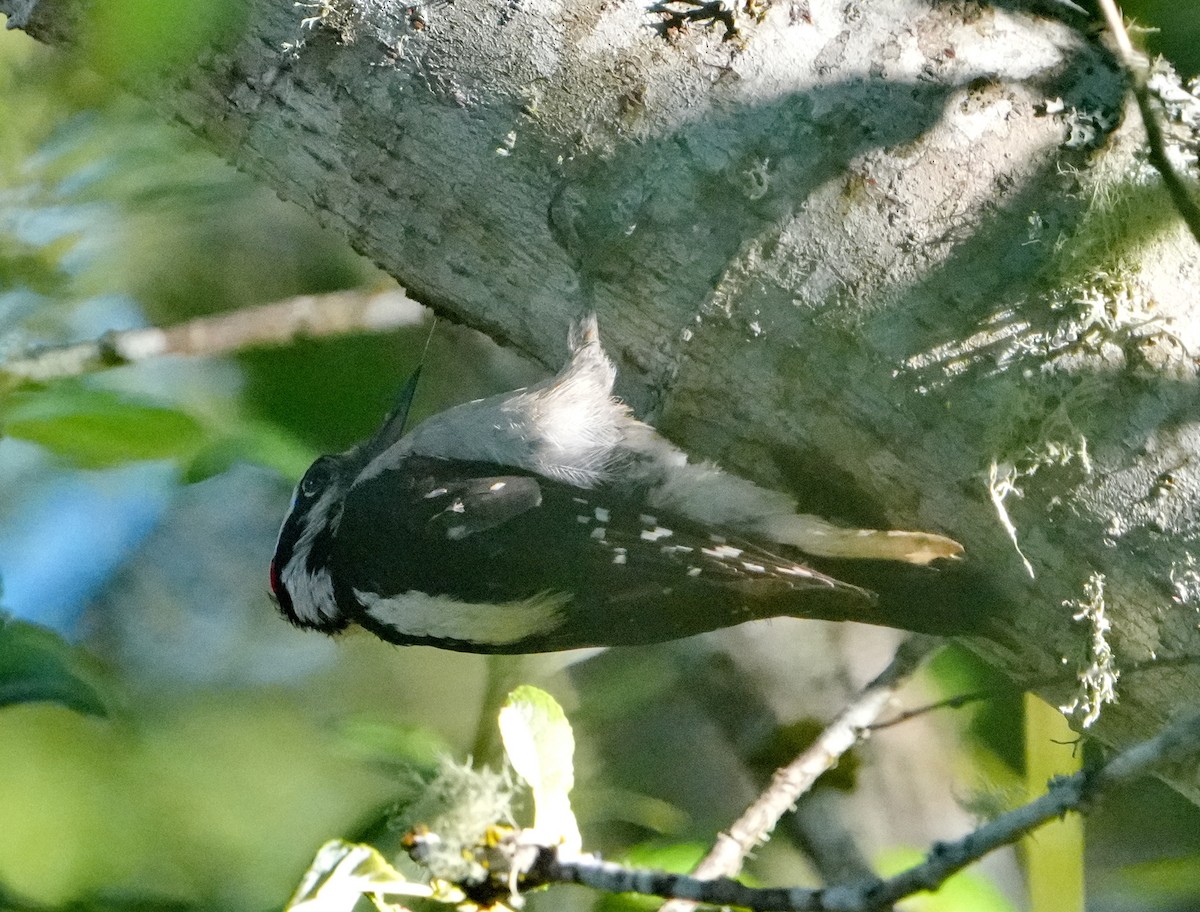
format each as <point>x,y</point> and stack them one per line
<point>1181,196</point>
<point>512,862</point>
<point>958,701</point>
<point>1072,793</point>
<point>270,324</point>
<point>790,782</point>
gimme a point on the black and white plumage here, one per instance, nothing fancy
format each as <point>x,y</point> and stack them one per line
<point>549,518</point>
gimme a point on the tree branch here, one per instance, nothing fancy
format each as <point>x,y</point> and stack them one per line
<point>279,323</point>
<point>510,860</point>
<point>1136,67</point>
<point>792,781</point>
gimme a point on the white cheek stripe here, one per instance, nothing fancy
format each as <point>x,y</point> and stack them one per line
<point>312,593</point>
<point>417,615</point>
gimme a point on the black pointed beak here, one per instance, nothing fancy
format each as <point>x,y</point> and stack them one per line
<point>393,426</point>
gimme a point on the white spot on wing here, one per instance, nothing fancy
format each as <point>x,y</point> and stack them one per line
<point>457,533</point>
<point>583,520</point>
<point>497,485</point>
<point>601,514</point>
<point>619,555</point>
<point>656,533</point>
<point>723,552</point>
<point>754,568</point>
<point>599,532</point>
<point>436,492</point>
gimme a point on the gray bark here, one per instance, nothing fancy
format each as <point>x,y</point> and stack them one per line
<point>898,258</point>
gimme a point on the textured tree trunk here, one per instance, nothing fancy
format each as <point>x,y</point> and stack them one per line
<point>901,258</point>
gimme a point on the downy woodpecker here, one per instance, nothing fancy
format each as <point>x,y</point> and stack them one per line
<point>549,518</point>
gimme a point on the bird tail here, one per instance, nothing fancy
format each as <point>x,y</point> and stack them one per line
<point>815,536</point>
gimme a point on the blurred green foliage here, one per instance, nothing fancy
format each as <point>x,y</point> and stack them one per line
<point>185,804</point>
<point>1169,28</point>
<point>183,796</point>
<point>129,39</point>
<point>94,428</point>
<point>37,666</point>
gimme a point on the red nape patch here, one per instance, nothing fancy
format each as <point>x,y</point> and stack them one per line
<point>276,581</point>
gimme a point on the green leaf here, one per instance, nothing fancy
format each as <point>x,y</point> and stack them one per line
<point>37,665</point>
<point>541,748</point>
<point>96,428</point>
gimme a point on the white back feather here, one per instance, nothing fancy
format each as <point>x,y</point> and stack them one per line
<point>566,428</point>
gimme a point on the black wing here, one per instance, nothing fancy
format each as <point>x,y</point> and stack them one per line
<point>459,530</point>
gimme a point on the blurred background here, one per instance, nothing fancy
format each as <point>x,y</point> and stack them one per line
<point>181,747</point>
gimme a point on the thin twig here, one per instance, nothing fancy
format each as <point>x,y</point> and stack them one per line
<point>252,327</point>
<point>1181,196</point>
<point>514,862</point>
<point>958,701</point>
<point>790,782</point>
<point>1071,793</point>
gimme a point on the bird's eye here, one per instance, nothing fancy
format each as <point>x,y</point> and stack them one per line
<point>316,479</point>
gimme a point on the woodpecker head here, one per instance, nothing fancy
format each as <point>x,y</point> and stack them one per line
<point>301,581</point>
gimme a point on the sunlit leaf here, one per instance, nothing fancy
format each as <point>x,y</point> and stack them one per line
<point>37,665</point>
<point>342,873</point>
<point>541,747</point>
<point>96,428</point>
